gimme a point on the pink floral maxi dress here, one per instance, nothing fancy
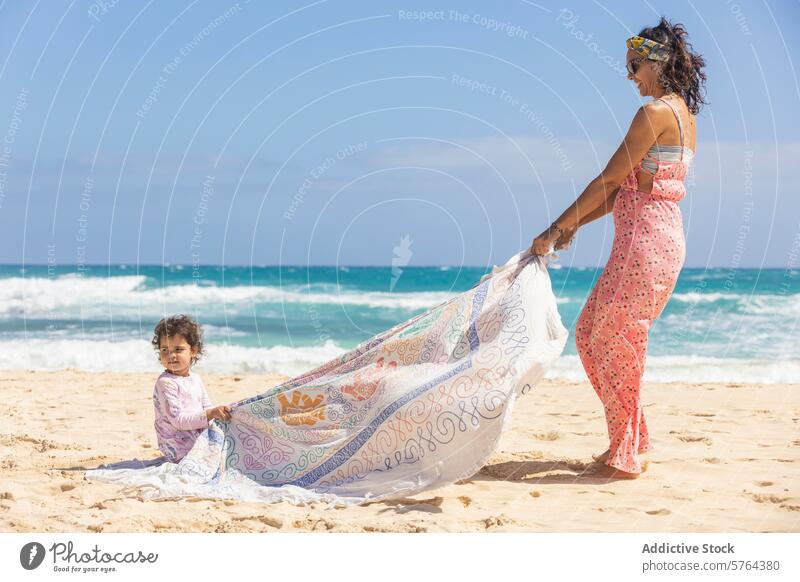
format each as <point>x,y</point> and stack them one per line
<point>612,329</point>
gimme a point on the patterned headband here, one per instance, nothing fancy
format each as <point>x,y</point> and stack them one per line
<point>648,48</point>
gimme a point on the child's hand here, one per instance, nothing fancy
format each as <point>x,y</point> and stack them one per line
<point>219,413</point>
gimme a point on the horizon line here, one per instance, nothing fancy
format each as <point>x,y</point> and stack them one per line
<point>237,265</point>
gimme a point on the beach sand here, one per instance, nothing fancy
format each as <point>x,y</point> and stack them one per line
<point>726,458</point>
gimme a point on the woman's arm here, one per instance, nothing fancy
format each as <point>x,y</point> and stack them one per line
<point>646,126</point>
<point>601,210</point>
<point>566,237</point>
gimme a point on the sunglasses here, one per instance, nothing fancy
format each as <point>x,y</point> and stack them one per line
<point>633,65</point>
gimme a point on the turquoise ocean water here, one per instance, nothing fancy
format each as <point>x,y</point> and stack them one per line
<point>730,325</point>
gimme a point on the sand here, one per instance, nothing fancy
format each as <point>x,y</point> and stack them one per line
<point>726,459</point>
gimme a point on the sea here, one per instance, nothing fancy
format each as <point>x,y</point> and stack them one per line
<point>720,325</point>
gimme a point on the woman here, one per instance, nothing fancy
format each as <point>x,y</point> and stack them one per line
<point>425,402</point>
<point>641,185</point>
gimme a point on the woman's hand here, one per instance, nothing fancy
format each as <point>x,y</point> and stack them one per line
<point>218,413</point>
<point>565,239</point>
<point>543,243</point>
<point>552,238</point>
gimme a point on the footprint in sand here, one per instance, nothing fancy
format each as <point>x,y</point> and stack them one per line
<point>764,498</point>
<point>310,524</point>
<point>687,438</point>
<point>712,460</point>
<point>423,507</point>
<point>535,493</point>
<point>465,501</point>
<point>408,528</point>
<point>275,522</point>
<point>549,436</point>
<point>764,483</point>
<point>406,504</point>
<point>659,512</point>
<point>498,521</point>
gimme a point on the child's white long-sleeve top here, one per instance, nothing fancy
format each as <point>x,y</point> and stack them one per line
<point>180,403</point>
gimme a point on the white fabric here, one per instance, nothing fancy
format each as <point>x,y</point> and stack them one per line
<point>413,408</point>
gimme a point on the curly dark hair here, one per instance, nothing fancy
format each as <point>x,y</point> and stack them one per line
<point>183,325</point>
<point>683,72</point>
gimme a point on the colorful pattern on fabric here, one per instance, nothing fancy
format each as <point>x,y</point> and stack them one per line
<point>648,48</point>
<point>412,408</point>
<point>612,329</point>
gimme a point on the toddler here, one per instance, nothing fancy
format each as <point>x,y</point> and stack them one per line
<point>182,406</point>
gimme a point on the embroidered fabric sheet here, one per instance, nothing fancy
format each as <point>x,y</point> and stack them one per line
<point>415,407</point>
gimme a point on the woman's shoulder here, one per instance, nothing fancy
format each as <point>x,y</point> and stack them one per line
<point>651,120</point>
<point>678,104</point>
<point>657,109</point>
<point>661,115</point>
<point>652,111</point>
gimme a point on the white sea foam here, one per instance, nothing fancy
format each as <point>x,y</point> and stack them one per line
<point>695,297</point>
<point>89,297</point>
<point>759,304</point>
<point>710,297</point>
<point>137,356</point>
<point>36,296</point>
<point>73,296</point>
<point>773,305</point>
<point>222,331</point>
<point>696,369</point>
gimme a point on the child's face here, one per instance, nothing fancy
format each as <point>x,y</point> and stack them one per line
<point>176,354</point>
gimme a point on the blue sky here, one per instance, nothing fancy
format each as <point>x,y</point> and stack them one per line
<point>324,132</point>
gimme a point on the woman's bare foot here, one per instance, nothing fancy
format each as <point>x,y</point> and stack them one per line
<point>614,473</point>
<point>603,457</point>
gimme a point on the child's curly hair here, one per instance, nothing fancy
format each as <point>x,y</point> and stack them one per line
<point>183,325</point>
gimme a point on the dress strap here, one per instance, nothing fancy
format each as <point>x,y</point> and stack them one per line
<point>680,123</point>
